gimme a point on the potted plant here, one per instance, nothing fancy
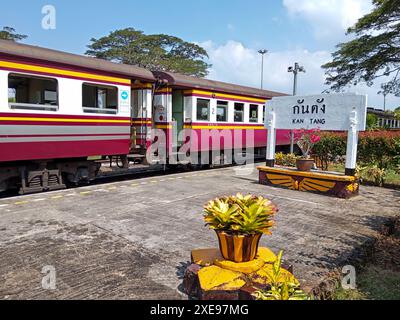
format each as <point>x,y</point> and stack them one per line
<point>306,139</point>
<point>240,221</point>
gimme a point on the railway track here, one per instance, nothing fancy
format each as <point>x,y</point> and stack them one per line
<point>124,175</point>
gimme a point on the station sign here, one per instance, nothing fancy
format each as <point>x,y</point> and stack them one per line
<point>326,112</point>
<point>334,112</point>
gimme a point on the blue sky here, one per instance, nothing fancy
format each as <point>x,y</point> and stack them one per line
<point>250,22</point>
<point>231,30</point>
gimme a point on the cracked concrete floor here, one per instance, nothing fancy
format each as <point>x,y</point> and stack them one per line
<point>132,239</point>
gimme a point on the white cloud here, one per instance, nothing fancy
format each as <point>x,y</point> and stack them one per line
<point>233,62</point>
<point>328,18</point>
<point>230,27</point>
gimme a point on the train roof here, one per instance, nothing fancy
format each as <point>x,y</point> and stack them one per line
<point>130,71</point>
<point>190,82</point>
<point>39,53</point>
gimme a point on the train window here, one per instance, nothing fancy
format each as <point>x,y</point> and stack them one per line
<point>222,111</point>
<point>99,99</point>
<point>203,110</point>
<point>253,113</point>
<point>239,112</point>
<point>32,93</point>
<point>135,104</point>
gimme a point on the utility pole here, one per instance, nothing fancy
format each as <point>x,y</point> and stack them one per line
<point>295,70</point>
<point>262,52</point>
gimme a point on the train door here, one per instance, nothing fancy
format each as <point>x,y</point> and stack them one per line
<point>135,120</point>
<point>178,115</point>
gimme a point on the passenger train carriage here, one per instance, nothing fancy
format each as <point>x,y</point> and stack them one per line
<point>60,113</point>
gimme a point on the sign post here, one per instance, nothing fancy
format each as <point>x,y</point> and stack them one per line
<point>340,112</point>
<point>352,145</point>
<point>336,112</point>
<point>271,141</point>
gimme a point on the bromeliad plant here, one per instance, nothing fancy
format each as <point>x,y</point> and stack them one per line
<point>240,214</point>
<point>239,222</point>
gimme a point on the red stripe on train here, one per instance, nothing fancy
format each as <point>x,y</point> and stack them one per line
<point>64,135</point>
<point>56,116</point>
<point>63,149</point>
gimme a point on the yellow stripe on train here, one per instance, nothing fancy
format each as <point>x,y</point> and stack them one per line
<point>63,120</point>
<point>226,127</point>
<point>61,72</point>
<point>224,95</point>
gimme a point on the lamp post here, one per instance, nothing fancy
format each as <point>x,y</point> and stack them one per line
<point>295,70</point>
<point>262,52</point>
<point>386,88</point>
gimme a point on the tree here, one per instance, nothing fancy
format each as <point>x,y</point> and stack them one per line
<point>373,53</point>
<point>9,33</point>
<point>397,113</point>
<point>372,121</point>
<point>158,52</point>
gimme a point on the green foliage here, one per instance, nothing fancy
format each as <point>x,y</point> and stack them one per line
<point>9,34</point>
<point>373,53</point>
<point>240,214</point>
<point>372,121</point>
<point>396,158</point>
<point>331,147</point>
<point>374,173</point>
<point>157,52</point>
<point>287,160</point>
<point>281,289</point>
<point>380,148</point>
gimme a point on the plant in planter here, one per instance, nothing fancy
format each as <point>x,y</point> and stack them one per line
<point>306,140</point>
<point>286,160</point>
<point>240,221</point>
<point>285,289</point>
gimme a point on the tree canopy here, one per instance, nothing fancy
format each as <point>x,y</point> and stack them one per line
<point>158,52</point>
<point>373,53</point>
<point>9,33</point>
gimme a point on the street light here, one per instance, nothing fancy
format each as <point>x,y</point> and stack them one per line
<point>262,52</point>
<point>295,70</point>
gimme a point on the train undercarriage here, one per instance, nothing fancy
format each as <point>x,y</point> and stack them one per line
<point>47,175</point>
<point>50,175</point>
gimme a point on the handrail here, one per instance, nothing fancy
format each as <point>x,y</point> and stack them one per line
<point>31,106</point>
<point>97,110</point>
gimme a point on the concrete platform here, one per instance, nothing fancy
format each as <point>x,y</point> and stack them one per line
<point>132,239</point>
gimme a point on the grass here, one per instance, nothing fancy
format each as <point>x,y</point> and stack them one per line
<point>392,178</point>
<point>373,283</point>
<point>379,278</point>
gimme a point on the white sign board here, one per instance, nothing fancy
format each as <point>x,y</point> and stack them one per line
<point>342,112</point>
<point>326,112</point>
<point>124,101</point>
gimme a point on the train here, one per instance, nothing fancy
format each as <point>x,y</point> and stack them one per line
<point>61,114</point>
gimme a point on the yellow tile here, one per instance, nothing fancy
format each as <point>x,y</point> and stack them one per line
<point>216,278</point>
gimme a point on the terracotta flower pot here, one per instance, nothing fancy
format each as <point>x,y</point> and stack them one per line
<point>304,164</point>
<point>238,248</point>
